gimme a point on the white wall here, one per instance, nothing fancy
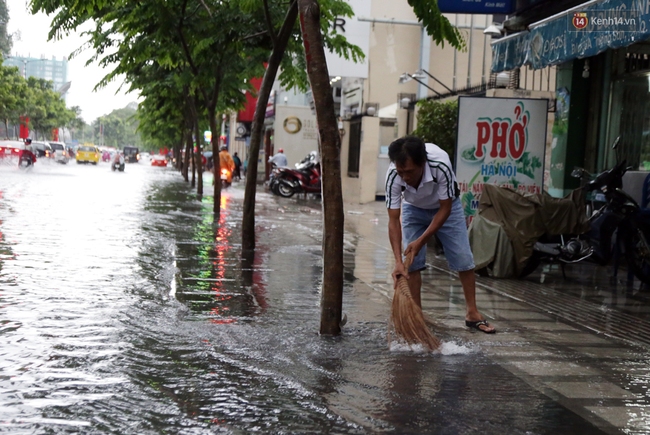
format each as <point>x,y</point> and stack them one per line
<point>303,140</point>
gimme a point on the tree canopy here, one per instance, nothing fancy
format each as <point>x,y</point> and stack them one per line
<point>32,98</point>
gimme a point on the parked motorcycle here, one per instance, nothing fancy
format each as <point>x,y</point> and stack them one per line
<point>305,178</point>
<point>616,224</point>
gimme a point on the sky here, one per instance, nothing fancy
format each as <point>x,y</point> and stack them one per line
<point>33,43</point>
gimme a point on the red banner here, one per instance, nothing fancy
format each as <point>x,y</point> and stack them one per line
<point>24,127</point>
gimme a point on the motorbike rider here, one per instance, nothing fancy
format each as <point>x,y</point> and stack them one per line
<point>279,159</point>
<point>118,161</point>
<point>28,154</point>
<point>225,160</point>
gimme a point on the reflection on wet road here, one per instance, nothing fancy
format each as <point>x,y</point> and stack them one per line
<point>125,309</point>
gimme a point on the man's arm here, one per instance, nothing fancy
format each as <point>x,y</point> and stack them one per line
<point>395,237</point>
<point>436,223</point>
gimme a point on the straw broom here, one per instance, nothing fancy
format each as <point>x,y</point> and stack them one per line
<point>406,317</point>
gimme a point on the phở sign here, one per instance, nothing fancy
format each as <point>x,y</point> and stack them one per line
<point>500,141</point>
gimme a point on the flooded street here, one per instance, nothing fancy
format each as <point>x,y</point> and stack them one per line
<point>124,309</point>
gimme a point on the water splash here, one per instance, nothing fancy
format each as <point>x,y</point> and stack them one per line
<point>446,348</point>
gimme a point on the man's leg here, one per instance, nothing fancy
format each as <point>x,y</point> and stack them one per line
<point>453,236</point>
<point>468,281</point>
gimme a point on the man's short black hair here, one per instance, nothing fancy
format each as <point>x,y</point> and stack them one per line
<point>407,147</point>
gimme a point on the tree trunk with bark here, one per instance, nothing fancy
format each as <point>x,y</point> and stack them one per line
<point>248,220</point>
<point>188,152</point>
<point>192,163</point>
<point>216,164</point>
<point>198,162</point>
<point>330,145</point>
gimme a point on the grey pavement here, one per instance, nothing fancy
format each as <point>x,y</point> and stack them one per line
<point>582,341</point>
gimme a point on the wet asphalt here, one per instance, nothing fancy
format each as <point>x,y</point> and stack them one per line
<point>124,308</point>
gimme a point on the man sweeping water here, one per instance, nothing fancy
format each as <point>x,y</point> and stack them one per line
<point>421,188</point>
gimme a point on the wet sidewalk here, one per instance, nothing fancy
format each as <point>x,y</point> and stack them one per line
<point>580,341</point>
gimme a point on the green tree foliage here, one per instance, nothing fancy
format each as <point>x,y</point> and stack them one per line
<point>436,24</point>
<point>437,123</point>
<point>5,39</point>
<point>13,95</point>
<point>207,49</point>
<point>120,128</point>
<point>45,107</point>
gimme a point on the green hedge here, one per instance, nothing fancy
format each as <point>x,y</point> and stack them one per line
<point>437,123</point>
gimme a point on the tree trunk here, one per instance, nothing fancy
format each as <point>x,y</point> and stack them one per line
<point>192,163</point>
<point>216,164</point>
<point>188,152</point>
<point>248,221</point>
<point>198,162</point>
<point>178,150</point>
<point>330,144</point>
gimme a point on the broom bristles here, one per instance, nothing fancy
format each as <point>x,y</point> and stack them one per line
<point>407,319</point>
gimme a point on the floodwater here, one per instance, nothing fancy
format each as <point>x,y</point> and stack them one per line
<point>125,309</point>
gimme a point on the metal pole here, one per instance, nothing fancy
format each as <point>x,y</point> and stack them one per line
<point>469,59</point>
<point>455,60</point>
<point>484,54</point>
<point>425,53</point>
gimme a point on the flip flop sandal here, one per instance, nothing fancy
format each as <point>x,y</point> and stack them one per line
<point>476,325</point>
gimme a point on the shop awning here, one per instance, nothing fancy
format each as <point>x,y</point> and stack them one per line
<point>579,32</point>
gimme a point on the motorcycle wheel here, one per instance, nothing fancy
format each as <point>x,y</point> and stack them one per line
<point>532,264</point>
<point>285,189</point>
<point>637,252</point>
<point>25,163</point>
<point>273,184</point>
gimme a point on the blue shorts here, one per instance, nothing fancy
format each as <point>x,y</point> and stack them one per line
<point>452,235</point>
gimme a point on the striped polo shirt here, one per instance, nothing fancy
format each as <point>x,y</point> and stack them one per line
<point>439,182</point>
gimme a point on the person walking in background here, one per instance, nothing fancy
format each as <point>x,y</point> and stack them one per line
<point>237,173</point>
<point>422,200</point>
<point>279,159</point>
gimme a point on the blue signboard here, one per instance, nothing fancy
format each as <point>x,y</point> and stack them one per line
<point>579,33</point>
<point>477,6</point>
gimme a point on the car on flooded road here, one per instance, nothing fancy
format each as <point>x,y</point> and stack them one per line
<point>159,161</point>
<point>42,150</point>
<point>131,154</point>
<point>60,152</point>
<point>88,154</point>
